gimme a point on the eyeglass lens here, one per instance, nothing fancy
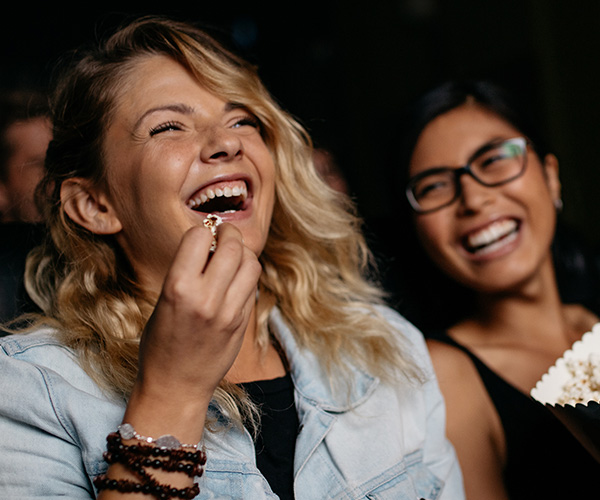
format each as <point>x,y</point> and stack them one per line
<point>494,165</point>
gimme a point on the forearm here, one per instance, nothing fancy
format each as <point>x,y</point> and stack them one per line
<point>137,454</point>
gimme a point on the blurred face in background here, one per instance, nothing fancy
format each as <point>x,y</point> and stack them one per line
<point>27,142</point>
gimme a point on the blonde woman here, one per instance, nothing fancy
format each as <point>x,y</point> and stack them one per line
<point>208,330</point>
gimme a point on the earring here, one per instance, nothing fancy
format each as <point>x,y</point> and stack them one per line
<point>558,205</point>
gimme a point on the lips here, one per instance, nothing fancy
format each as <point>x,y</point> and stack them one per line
<point>491,237</point>
<point>220,197</point>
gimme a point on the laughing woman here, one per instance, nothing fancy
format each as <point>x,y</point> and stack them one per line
<point>257,341</point>
<point>481,199</point>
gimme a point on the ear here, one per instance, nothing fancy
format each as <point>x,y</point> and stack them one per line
<point>551,170</point>
<point>88,206</point>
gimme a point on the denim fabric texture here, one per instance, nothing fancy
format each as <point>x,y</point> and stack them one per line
<point>367,440</point>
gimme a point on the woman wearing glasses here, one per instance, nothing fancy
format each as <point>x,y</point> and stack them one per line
<point>482,199</point>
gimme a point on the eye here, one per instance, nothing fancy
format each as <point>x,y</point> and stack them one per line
<point>505,151</point>
<point>491,159</point>
<point>247,121</point>
<point>431,187</point>
<point>169,126</point>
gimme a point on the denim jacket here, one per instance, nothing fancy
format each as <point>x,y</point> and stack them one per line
<point>373,441</point>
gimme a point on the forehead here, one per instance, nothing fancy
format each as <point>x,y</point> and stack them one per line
<point>32,127</point>
<point>451,138</point>
<point>29,137</point>
<point>153,77</point>
<point>158,83</point>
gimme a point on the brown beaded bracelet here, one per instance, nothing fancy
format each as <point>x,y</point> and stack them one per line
<point>150,487</point>
<point>138,464</point>
<point>138,457</point>
<point>115,445</point>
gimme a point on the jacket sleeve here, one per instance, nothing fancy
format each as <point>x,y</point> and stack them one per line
<point>40,455</point>
<point>439,454</point>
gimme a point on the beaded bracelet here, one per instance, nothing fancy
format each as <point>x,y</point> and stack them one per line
<point>165,453</point>
<point>167,441</point>
<point>115,443</point>
<point>137,457</point>
<point>151,487</point>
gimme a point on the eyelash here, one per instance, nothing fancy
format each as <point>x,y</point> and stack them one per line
<point>164,127</point>
<point>249,120</point>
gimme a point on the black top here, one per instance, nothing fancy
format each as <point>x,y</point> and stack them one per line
<point>543,459</point>
<point>276,441</point>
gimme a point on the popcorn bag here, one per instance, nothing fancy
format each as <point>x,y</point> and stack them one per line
<point>571,390</point>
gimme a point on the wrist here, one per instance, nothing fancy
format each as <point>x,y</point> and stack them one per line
<point>167,414</point>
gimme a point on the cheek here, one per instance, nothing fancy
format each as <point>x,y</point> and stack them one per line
<point>432,232</point>
<point>533,193</point>
<point>435,236</point>
<point>267,175</point>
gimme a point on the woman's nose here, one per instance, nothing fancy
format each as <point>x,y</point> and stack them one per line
<point>473,195</point>
<point>221,145</point>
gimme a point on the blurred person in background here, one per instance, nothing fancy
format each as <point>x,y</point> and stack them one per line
<point>25,132</point>
<point>24,136</point>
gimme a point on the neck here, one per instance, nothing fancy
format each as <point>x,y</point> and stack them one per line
<point>255,361</point>
<point>528,313</point>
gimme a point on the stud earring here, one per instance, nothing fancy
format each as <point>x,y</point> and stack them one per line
<point>558,205</point>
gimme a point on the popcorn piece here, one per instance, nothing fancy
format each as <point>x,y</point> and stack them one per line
<point>584,384</point>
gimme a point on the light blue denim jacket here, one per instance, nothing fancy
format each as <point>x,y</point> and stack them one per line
<point>375,442</point>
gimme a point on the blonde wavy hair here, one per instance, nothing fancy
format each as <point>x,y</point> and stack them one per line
<point>315,261</point>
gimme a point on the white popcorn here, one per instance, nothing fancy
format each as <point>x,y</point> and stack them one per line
<point>575,376</point>
<point>584,382</point>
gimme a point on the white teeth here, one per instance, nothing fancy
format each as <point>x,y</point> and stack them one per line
<point>492,233</point>
<point>498,244</point>
<point>210,193</point>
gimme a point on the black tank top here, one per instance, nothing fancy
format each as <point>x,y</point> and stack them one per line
<point>276,440</point>
<point>543,459</point>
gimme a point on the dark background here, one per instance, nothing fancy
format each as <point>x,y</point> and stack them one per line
<point>347,69</point>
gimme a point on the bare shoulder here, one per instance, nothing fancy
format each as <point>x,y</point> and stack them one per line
<point>460,383</point>
<point>472,422</point>
<point>452,363</point>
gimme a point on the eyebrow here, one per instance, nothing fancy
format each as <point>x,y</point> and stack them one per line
<point>483,148</point>
<point>178,108</point>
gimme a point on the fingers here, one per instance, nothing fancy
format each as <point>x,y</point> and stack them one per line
<point>219,287</point>
<point>192,257</point>
<point>235,266</point>
<point>192,254</point>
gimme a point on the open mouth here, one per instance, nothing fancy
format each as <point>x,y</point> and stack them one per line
<point>491,237</point>
<point>221,197</point>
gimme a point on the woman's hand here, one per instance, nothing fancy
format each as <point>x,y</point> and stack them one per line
<point>195,332</point>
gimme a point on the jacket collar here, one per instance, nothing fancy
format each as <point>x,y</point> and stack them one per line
<point>310,378</point>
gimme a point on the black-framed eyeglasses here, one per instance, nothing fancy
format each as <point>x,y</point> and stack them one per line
<point>492,165</point>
